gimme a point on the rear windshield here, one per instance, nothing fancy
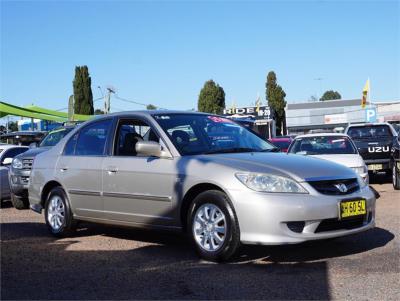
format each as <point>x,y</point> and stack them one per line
<point>370,131</point>
<point>323,146</point>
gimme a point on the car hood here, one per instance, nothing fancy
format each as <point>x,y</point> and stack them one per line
<point>300,168</point>
<point>32,152</point>
<point>349,160</point>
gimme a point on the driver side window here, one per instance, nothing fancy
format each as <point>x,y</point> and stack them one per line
<point>129,133</point>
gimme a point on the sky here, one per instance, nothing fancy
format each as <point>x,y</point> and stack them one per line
<point>162,52</point>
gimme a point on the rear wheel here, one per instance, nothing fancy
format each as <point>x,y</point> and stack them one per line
<point>213,226</point>
<point>19,202</point>
<point>58,214</point>
<point>395,177</point>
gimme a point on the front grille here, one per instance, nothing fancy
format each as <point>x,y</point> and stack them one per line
<point>25,180</point>
<point>27,164</point>
<point>333,224</point>
<point>332,187</point>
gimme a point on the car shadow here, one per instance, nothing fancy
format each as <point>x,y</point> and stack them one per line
<point>163,266</point>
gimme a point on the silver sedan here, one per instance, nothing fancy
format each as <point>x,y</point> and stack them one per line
<point>200,173</point>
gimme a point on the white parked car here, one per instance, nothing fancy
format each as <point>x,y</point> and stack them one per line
<point>7,153</point>
<point>335,147</point>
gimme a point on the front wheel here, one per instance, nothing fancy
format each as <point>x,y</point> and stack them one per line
<point>58,214</point>
<point>213,225</point>
<point>395,177</point>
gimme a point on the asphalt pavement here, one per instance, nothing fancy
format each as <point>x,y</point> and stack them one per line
<point>102,262</point>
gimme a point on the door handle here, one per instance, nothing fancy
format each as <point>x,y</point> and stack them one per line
<point>62,169</point>
<point>112,170</point>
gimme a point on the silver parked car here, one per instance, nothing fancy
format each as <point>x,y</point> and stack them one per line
<point>203,173</point>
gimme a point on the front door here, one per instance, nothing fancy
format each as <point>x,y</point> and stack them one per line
<point>137,189</point>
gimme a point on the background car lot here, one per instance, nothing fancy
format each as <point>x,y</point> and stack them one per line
<point>115,263</point>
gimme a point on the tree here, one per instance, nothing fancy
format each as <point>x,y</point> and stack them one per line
<point>13,126</point>
<point>276,101</point>
<point>83,97</point>
<point>98,112</point>
<point>211,98</point>
<point>330,95</point>
<point>151,107</point>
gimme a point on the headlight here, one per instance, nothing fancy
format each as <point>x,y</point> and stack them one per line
<point>17,163</point>
<point>361,182</point>
<point>270,183</point>
<point>360,170</point>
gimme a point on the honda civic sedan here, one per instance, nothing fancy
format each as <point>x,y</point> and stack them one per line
<point>201,173</point>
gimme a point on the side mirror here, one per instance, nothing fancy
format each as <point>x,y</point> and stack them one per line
<point>33,145</point>
<point>7,161</point>
<point>151,149</point>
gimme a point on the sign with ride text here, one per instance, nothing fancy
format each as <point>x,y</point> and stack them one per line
<point>261,112</point>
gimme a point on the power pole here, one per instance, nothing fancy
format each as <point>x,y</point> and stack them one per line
<point>107,100</point>
<point>71,108</point>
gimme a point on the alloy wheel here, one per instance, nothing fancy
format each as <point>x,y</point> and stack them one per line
<point>209,227</point>
<point>56,212</point>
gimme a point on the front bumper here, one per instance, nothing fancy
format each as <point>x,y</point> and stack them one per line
<point>265,218</point>
<point>19,181</point>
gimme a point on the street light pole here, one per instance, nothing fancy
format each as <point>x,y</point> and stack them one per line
<point>320,86</point>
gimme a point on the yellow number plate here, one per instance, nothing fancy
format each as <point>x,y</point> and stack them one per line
<point>352,208</point>
<point>375,167</point>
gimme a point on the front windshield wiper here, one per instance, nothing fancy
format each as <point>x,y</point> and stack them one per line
<point>270,150</point>
<point>231,150</point>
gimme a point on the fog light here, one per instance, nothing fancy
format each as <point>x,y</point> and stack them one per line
<point>296,226</point>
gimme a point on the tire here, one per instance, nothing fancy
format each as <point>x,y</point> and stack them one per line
<point>57,214</point>
<point>395,177</point>
<point>215,234</point>
<point>19,202</point>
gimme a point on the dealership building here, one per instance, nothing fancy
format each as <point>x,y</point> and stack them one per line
<point>335,115</point>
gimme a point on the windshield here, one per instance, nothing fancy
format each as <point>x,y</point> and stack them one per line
<point>371,131</point>
<point>322,146</point>
<point>282,144</point>
<point>194,134</point>
<point>54,137</point>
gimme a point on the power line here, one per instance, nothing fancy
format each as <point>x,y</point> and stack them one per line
<point>94,100</point>
<point>135,102</point>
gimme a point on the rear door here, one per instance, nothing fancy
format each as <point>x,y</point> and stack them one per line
<point>80,168</point>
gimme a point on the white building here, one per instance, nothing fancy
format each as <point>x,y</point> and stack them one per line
<point>337,114</point>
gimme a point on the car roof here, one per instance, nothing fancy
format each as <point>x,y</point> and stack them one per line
<point>281,139</point>
<point>152,113</point>
<point>8,146</point>
<point>23,133</point>
<point>322,135</point>
<point>368,124</point>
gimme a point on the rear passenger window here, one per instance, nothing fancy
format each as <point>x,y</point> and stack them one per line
<point>92,139</point>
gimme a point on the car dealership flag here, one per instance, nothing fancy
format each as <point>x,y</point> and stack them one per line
<point>258,103</point>
<point>365,94</point>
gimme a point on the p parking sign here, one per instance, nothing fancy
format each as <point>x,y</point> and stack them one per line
<point>370,115</point>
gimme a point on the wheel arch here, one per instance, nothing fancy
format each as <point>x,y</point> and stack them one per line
<point>46,190</point>
<point>190,196</point>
